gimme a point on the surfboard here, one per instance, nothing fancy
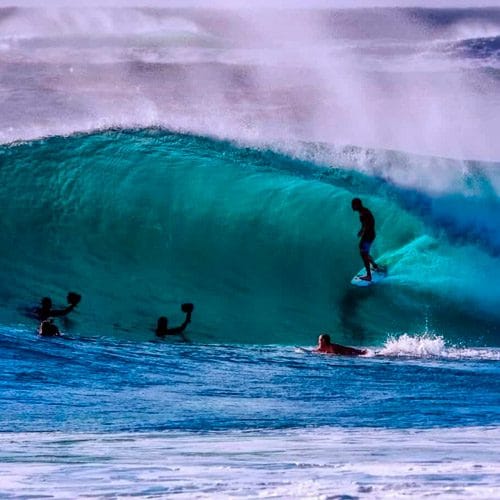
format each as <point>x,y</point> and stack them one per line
<point>377,277</point>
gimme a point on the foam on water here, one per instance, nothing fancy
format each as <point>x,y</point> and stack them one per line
<point>420,346</point>
<point>308,463</point>
<point>428,345</point>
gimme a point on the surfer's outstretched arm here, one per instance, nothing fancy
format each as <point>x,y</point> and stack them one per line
<point>62,312</point>
<point>45,311</point>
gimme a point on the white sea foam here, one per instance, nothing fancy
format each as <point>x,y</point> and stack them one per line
<point>312,463</point>
<point>427,345</point>
<point>414,345</point>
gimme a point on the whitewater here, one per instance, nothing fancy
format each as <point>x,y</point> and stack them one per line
<point>157,155</point>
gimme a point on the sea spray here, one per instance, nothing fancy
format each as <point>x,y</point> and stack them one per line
<point>424,345</point>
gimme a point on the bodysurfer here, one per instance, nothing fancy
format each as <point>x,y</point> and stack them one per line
<point>45,311</point>
<point>326,346</point>
<point>162,329</point>
<point>367,236</point>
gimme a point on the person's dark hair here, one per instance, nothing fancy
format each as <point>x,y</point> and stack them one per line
<point>326,337</point>
<point>47,302</point>
<point>356,203</point>
<point>162,322</point>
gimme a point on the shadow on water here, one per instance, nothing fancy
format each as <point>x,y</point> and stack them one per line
<point>349,306</point>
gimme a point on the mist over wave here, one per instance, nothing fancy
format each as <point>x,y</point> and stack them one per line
<point>419,80</point>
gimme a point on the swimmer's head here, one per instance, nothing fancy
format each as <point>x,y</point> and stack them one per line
<point>46,303</point>
<point>162,323</point>
<point>356,204</point>
<point>324,339</point>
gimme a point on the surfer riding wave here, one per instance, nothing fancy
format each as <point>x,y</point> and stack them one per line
<point>367,235</point>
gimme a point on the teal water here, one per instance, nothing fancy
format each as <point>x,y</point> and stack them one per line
<point>139,221</point>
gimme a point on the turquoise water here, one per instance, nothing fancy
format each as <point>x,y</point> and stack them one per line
<point>139,221</point>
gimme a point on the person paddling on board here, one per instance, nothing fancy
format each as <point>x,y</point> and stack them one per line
<point>367,235</point>
<point>326,346</point>
<point>162,329</point>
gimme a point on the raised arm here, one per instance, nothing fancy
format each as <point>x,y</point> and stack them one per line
<point>73,300</point>
<point>162,329</point>
<point>62,312</point>
<point>179,329</point>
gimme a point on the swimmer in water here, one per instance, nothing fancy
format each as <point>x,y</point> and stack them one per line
<point>45,311</point>
<point>162,329</point>
<point>325,346</point>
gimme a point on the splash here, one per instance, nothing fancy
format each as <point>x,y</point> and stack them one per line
<point>374,78</point>
<point>429,345</point>
<point>424,345</point>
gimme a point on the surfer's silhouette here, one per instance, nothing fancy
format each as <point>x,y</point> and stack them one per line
<point>326,346</point>
<point>162,329</point>
<point>45,310</point>
<point>367,235</point>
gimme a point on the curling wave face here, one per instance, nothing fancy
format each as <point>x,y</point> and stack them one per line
<point>140,221</point>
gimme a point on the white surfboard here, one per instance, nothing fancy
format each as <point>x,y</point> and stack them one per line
<point>377,277</point>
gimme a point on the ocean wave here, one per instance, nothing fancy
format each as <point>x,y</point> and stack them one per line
<point>479,48</point>
<point>140,221</point>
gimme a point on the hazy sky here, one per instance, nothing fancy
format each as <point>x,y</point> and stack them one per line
<point>254,3</point>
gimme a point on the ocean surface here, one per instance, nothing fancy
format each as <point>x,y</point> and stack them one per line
<point>155,156</point>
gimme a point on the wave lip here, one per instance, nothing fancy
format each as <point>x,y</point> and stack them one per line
<point>487,48</point>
